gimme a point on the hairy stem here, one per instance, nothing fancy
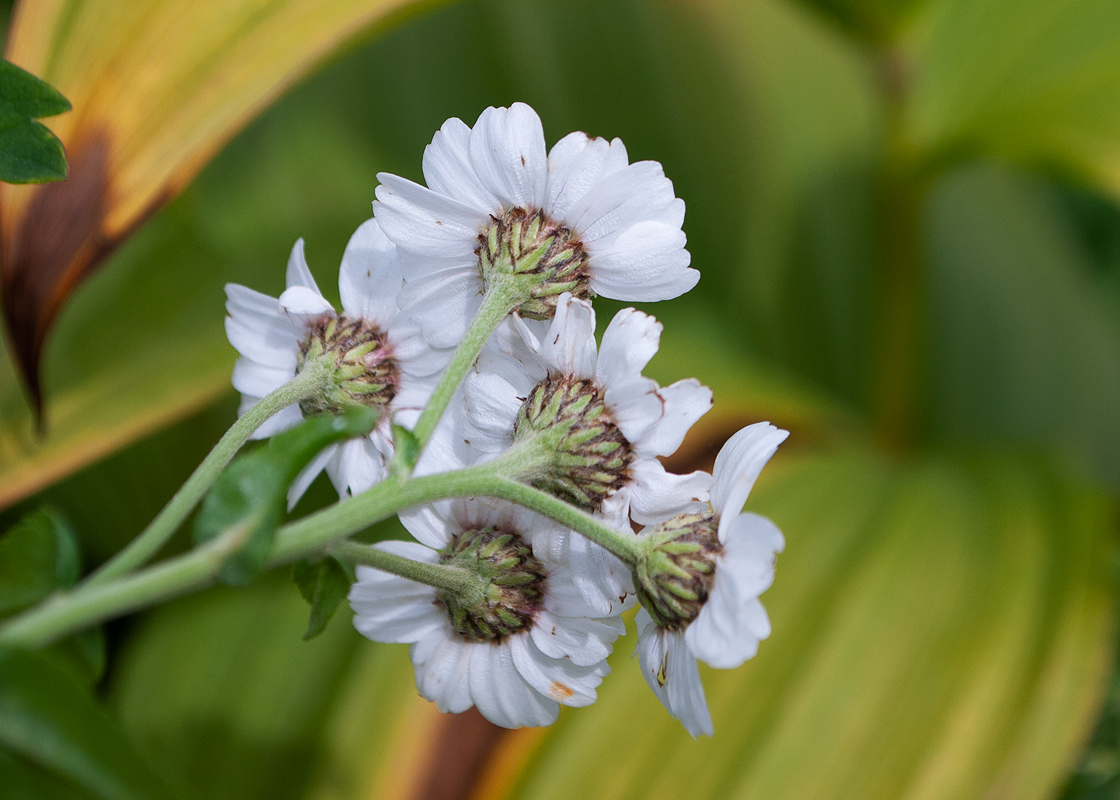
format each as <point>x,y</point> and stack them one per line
<point>151,539</point>
<point>451,579</point>
<point>87,605</point>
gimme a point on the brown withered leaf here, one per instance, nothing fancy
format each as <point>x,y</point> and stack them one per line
<point>157,87</point>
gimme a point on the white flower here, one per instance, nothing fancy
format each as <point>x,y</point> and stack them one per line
<point>731,620</point>
<point>615,227</point>
<point>390,365</point>
<point>518,655</point>
<point>594,423</point>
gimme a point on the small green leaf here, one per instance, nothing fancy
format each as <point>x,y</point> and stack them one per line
<point>407,447</point>
<point>246,504</point>
<point>324,584</point>
<point>29,152</point>
<point>38,555</point>
<point>53,722</point>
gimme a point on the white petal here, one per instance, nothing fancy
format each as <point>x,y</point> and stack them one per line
<point>425,222</point>
<point>490,407</point>
<point>451,297</point>
<point>309,473</point>
<point>629,342</point>
<point>303,302</point>
<point>569,346</point>
<point>671,672</point>
<point>657,495</point>
<point>635,406</point>
<point>441,661</point>
<point>645,263</point>
<point>575,164</point>
<point>685,691</point>
<point>359,466</point>
<point>753,543</point>
<point>252,378</point>
<point>682,404</point>
<point>604,581</point>
<point>556,678</point>
<point>430,524</point>
<point>274,344</point>
<point>622,199</point>
<point>298,273</point>
<point>737,467</point>
<point>389,608</point>
<point>502,695</point>
<point>449,171</point>
<point>369,279</point>
<point>508,154</point>
<point>585,641</point>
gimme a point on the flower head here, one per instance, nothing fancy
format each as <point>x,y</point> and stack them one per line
<point>701,578</point>
<point>376,356</point>
<point>587,425</point>
<point>519,646</point>
<point>580,219</point>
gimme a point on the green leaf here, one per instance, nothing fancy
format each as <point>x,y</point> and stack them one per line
<point>26,781</point>
<point>37,556</point>
<point>1023,344</point>
<point>247,502</point>
<point>219,691</point>
<point>1030,80</point>
<point>406,446</point>
<point>952,617</point>
<point>324,584</point>
<point>29,152</point>
<point>53,722</point>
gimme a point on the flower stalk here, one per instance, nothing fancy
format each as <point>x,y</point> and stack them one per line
<point>307,384</point>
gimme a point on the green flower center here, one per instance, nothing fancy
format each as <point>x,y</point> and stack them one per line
<point>365,373</point>
<point>675,575</point>
<point>585,456</point>
<point>548,257</point>
<point>514,584</point>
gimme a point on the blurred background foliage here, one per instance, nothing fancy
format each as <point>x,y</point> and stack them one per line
<point>906,217</point>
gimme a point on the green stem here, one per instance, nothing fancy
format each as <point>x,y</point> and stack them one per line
<point>87,605</point>
<point>500,299</point>
<point>451,579</point>
<point>155,536</point>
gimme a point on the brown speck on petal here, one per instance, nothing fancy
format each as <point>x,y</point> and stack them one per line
<point>559,692</point>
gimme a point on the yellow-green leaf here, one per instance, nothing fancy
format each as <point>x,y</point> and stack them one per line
<point>157,87</point>
<point>941,629</point>
<point>1033,80</point>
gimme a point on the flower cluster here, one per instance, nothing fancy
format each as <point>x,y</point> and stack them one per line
<point>467,318</point>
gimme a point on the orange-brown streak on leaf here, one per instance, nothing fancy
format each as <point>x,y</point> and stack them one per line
<point>457,759</point>
<point>59,241</point>
<point>506,762</point>
<point>157,89</point>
